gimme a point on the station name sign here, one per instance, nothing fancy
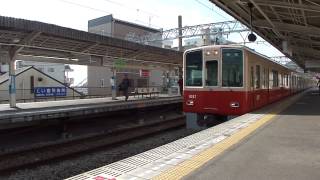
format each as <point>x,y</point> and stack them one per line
<point>50,91</point>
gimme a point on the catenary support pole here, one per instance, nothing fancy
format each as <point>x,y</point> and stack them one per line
<point>180,32</point>
<point>12,81</point>
<point>113,82</point>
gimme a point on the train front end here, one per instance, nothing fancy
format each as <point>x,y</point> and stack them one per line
<point>214,81</point>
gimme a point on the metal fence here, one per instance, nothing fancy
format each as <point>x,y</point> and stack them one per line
<point>28,95</point>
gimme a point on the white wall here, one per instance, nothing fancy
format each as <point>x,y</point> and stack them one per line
<point>95,76</point>
<point>59,69</point>
<point>23,82</point>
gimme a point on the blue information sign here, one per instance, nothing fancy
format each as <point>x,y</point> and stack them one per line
<point>50,91</point>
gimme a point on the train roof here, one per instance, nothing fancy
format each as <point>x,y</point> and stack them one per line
<point>242,47</point>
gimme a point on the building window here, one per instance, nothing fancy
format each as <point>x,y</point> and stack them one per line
<point>102,83</point>
<point>50,69</point>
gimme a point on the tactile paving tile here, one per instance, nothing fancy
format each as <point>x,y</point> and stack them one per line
<point>134,162</point>
<point>129,177</point>
<point>144,173</point>
<point>95,171</point>
<point>170,161</point>
<point>157,166</point>
<point>105,171</point>
<point>121,167</point>
<point>159,151</point>
<point>147,157</point>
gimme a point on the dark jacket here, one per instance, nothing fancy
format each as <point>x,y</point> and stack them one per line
<point>125,84</point>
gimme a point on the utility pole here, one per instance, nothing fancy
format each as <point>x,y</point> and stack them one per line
<point>180,32</point>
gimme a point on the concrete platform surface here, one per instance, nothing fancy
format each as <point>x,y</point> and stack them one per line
<point>75,102</point>
<point>286,148</point>
<point>279,155</point>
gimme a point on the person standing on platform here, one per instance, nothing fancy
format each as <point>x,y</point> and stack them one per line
<point>124,86</point>
<point>180,83</point>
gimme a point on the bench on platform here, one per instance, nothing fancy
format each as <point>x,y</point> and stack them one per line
<point>146,91</point>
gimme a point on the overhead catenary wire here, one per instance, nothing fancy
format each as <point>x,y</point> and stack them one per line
<point>211,9</point>
<point>84,6</point>
<point>134,8</point>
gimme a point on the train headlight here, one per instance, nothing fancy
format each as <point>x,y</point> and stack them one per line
<point>235,104</point>
<point>190,103</point>
<point>215,52</point>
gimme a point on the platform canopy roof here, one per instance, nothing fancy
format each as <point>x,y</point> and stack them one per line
<point>292,26</point>
<point>37,41</point>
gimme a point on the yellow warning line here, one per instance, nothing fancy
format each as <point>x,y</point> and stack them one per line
<point>198,160</point>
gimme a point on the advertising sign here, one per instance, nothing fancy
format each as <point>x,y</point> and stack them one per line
<point>144,73</point>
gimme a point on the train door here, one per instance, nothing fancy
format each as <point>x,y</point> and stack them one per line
<point>211,73</point>
<point>211,102</point>
<point>251,95</point>
<point>268,84</point>
<point>257,92</point>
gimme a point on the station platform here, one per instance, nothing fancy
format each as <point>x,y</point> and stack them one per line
<point>280,141</point>
<point>37,111</point>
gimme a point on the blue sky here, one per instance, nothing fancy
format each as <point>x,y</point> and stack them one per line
<point>157,13</point>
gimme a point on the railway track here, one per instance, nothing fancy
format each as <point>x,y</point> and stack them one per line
<point>26,158</point>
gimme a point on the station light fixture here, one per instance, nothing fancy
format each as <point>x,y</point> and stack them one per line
<point>251,37</point>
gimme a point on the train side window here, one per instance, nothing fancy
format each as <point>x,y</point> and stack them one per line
<point>257,76</point>
<point>263,79</point>
<point>275,77</point>
<point>252,77</point>
<point>212,73</point>
<point>232,68</point>
<point>270,79</point>
<point>284,80</point>
<point>266,85</point>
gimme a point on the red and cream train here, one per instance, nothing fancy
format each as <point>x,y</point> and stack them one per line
<point>233,80</point>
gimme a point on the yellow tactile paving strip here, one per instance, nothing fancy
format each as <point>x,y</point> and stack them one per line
<point>200,159</point>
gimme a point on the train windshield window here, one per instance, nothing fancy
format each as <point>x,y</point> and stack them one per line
<point>194,68</point>
<point>212,73</point>
<point>232,68</point>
